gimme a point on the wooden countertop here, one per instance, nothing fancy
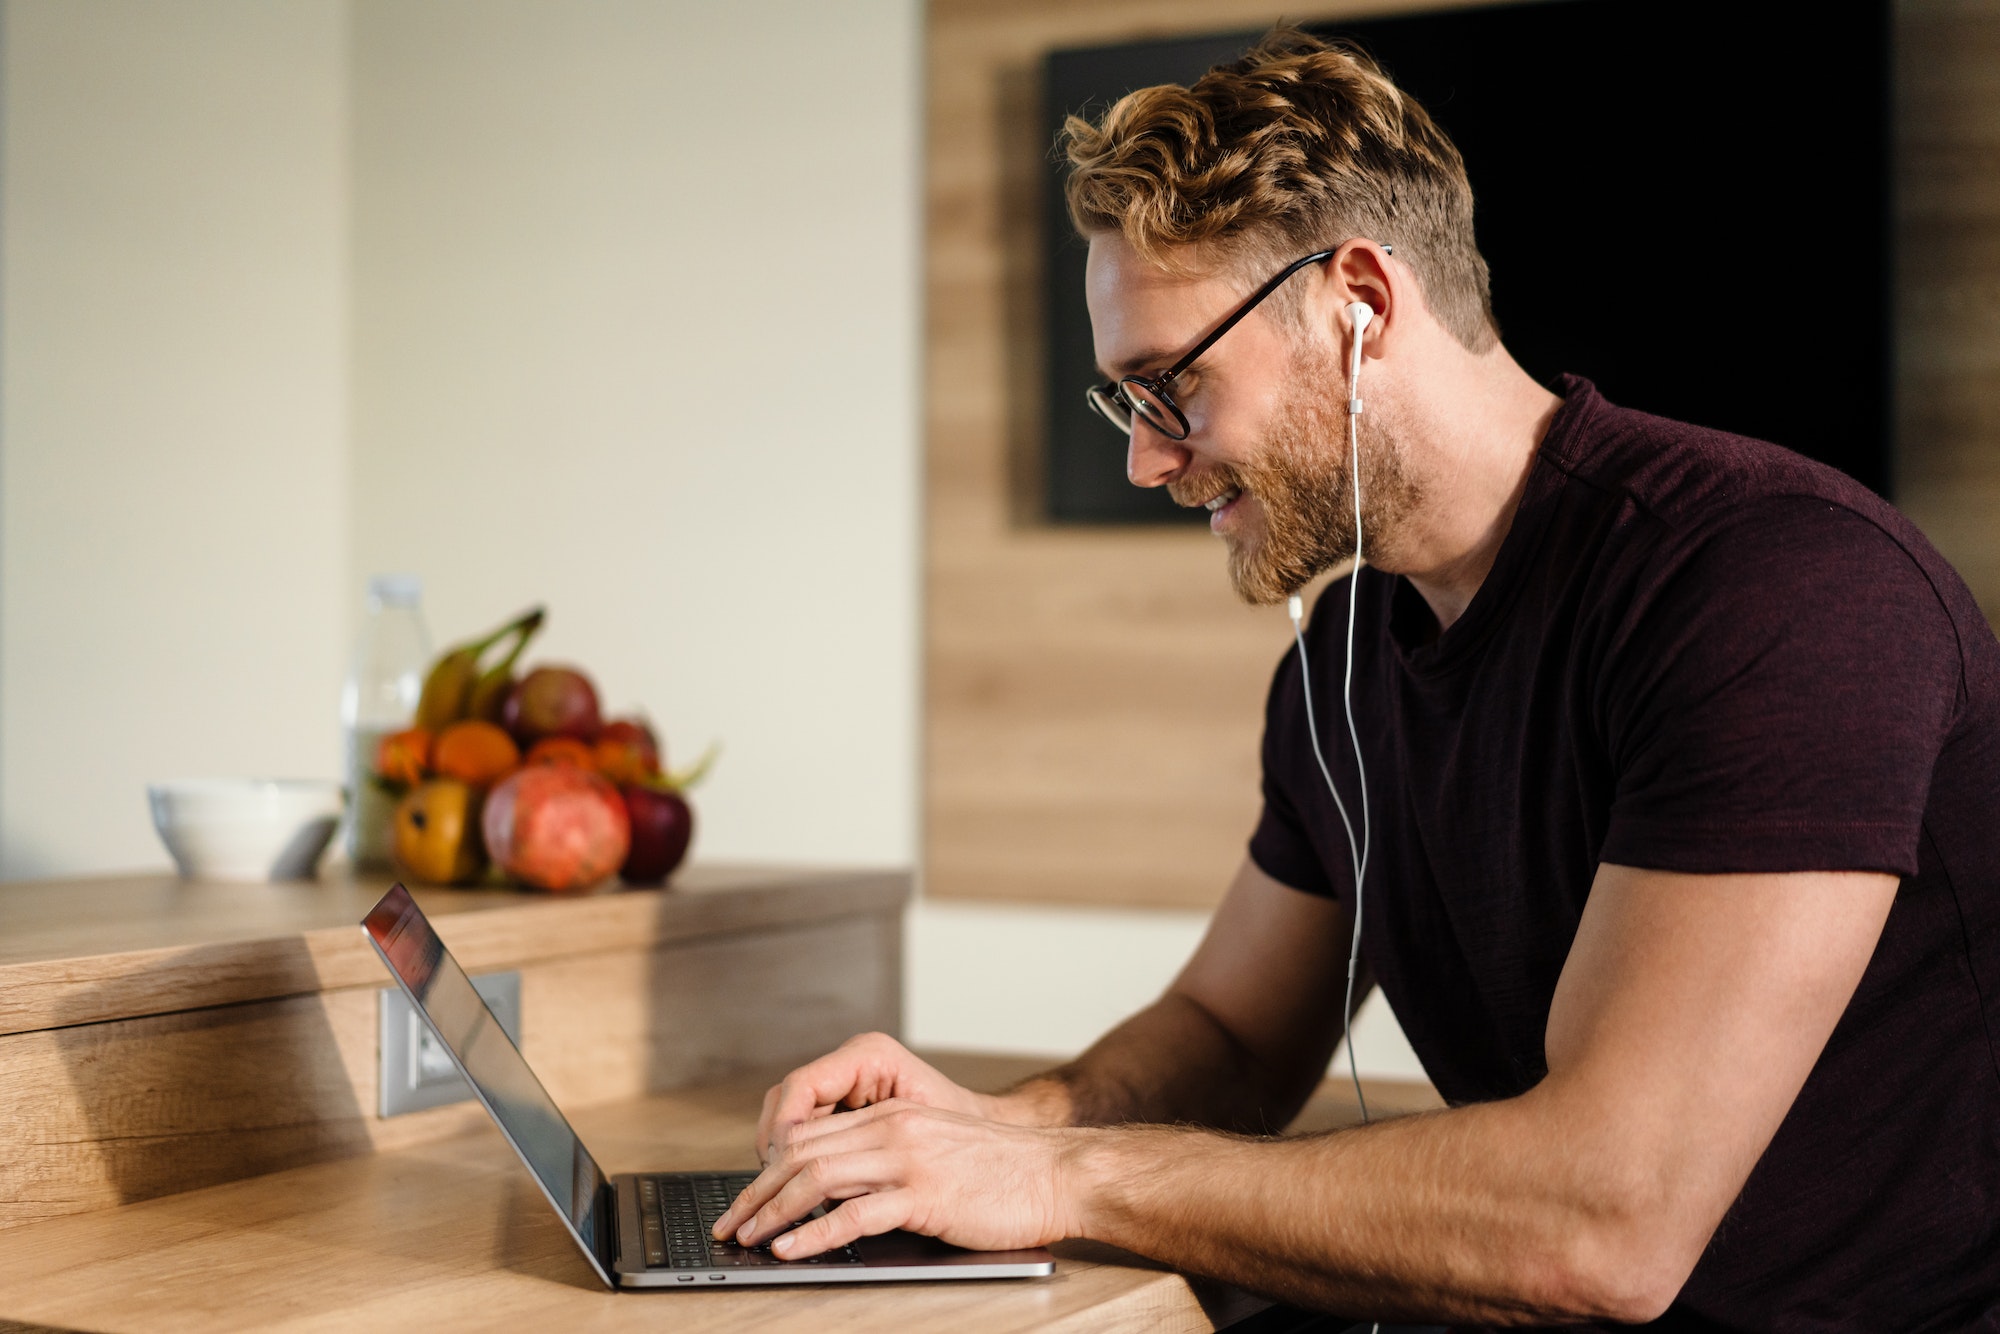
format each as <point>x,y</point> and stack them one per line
<point>84,951</point>
<point>452,1234</point>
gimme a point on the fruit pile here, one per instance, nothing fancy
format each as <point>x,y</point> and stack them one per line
<point>526,775</point>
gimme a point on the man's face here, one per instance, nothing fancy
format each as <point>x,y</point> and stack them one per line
<point>1267,448</point>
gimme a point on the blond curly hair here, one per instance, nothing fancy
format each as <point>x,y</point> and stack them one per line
<point>1295,147</point>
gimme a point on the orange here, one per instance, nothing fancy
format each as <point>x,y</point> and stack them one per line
<point>476,752</point>
<point>562,750</point>
<point>402,757</point>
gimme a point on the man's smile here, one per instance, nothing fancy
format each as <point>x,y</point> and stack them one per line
<point>1219,503</point>
<point>1220,507</point>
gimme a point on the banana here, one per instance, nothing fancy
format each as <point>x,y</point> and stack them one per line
<point>489,692</point>
<point>448,687</point>
<point>454,685</point>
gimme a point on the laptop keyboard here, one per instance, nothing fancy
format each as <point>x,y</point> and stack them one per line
<point>680,1211</point>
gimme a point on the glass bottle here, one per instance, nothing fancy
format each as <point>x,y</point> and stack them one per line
<point>380,697</point>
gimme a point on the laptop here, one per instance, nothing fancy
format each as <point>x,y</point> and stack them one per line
<point>637,1230</point>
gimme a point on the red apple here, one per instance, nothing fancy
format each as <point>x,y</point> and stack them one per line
<point>662,825</point>
<point>551,701</point>
<point>556,827</point>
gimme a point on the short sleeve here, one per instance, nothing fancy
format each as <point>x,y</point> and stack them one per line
<point>1280,845</point>
<point>1775,698</point>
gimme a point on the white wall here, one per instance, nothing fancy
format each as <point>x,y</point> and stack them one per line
<point>172,409</point>
<point>625,340</point>
<point>635,336</point>
<point>1049,981</point>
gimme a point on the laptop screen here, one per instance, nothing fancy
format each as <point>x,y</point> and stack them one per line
<point>493,1065</point>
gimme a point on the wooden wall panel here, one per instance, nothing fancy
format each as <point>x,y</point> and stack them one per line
<point>1094,696</point>
<point>1948,308</point>
<point>98,1114</point>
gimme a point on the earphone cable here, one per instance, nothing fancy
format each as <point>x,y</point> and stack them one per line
<point>1354,860</point>
<point>1357,851</point>
<point>1353,733</point>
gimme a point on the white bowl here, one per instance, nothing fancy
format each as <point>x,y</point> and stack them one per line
<point>246,828</point>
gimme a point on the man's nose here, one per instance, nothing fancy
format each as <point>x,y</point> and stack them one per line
<point>1150,458</point>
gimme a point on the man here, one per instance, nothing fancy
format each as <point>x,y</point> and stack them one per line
<point>1682,757</point>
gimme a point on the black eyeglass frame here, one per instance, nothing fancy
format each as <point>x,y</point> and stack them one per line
<point>1112,403</point>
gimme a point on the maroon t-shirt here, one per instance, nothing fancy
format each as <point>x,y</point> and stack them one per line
<point>1700,653</point>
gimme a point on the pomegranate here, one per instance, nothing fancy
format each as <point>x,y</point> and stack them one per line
<point>556,827</point>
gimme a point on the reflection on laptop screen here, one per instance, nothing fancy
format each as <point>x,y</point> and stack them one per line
<point>491,1063</point>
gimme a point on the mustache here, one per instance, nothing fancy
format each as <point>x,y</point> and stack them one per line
<point>1194,492</point>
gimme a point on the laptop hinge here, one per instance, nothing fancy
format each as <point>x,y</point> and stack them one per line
<point>606,1209</point>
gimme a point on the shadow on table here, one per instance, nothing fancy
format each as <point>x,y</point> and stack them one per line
<point>1290,1320</point>
<point>532,1240</point>
<point>172,1102</point>
<point>765,998</point>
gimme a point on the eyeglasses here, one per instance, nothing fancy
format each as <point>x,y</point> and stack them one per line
<point>1150,396</point>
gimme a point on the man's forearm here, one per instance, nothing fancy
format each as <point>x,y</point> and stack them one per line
<point>1172,1061</point>
<point>1483,1214</point>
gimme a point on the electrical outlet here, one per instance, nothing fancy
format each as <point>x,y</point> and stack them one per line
<point>416,1070</point>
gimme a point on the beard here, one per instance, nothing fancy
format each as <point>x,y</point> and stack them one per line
<point>1305,487</point>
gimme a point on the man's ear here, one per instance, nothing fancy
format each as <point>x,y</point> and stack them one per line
<point>1362,270</point>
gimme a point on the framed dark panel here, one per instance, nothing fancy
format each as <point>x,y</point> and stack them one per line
<point>1685,200</point>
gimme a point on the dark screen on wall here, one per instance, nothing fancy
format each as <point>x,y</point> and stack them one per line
<point>1686,202</point>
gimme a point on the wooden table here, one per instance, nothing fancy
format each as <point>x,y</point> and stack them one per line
<point>451,1234</point>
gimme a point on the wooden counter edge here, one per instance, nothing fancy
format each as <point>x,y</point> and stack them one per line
<point>96,988</point>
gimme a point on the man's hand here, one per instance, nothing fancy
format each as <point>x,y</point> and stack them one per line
<point>903,1164</point>
<point>861,1072</point>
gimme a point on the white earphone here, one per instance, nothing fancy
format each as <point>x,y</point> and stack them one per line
<point>1359,315</point>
